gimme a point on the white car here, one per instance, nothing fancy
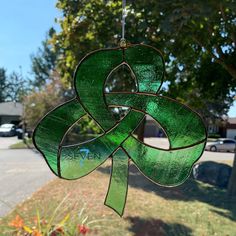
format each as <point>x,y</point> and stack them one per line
<point>222,144</point>
<point>7,130</point>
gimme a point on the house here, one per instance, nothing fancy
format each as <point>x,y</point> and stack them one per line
<point>231,127</point>
<point>218,128</point>
<point>10,112</point>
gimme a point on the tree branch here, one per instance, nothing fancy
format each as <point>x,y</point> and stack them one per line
<point>230,31</point>
<point>220,52</point>
<point>220,60</point>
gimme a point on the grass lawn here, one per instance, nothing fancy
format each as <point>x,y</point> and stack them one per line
<point>22,145</point>
<point>191,209</point>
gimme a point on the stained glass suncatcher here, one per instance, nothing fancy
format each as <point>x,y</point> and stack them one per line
<point>183,127</point>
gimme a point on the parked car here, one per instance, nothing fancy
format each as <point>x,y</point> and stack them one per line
<point>222,144</point>
<point>7,130</point>
<point>19,133</point>
<point>27,134</point>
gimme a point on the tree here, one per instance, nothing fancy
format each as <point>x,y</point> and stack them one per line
<point>188,32</point>
<point>200,29</point>
<point>86,26</point>
<point>16,87</point>
<point>195,29</point>
<point>44,62</point>
<point>39,102</point>
<point>47,89</point>
<point>3,84</point>
<point>207,88</point>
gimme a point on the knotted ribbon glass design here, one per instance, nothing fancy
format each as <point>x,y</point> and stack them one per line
<point>184,128</point>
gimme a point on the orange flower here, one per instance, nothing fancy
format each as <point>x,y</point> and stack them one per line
<point>36,233</point>
<point>17,222</point>
<point>35,220</point>
<point>42,221</point>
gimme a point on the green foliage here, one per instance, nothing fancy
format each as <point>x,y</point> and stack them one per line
<point>38,103</point>
<point>3,84</point>
<point>198,40</point>
<point>207,88</point>
<point>198,28</point>
<point>85,26</point>
<point>12,87</point>
<point>182,28</point>
<point>16,87</point>
<point>44,62</point>
<point>83,130</point>
<point>120,80</point>
<point>192,35</point>
<point>27,143</point>
<point>54,224</point>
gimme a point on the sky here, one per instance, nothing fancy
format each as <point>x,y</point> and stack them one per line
<point>23,26</point>
<point>232,111</point>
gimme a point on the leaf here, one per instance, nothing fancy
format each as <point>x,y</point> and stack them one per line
<point>27,229</point>
<point>84,220</point>
<point>65,219</point>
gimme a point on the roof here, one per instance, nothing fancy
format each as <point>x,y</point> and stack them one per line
<point>11,109</point>
<point>232,120</point>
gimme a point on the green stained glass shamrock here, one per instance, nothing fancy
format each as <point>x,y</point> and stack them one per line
<point>183,127</point>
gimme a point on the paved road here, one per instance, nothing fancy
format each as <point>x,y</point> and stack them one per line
<point>5,142</point>
<point>207,156</point>
<point>217,156</point>
<point>22,172</point>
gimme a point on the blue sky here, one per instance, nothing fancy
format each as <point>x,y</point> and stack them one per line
<point>23,26</point>
<point>232,111</point>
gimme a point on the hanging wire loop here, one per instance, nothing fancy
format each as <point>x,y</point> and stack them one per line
<point>124,14</point>
<point>123,18</point>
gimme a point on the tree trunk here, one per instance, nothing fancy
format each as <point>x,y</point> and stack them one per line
<point>230,68</point>
<point>231,191</point>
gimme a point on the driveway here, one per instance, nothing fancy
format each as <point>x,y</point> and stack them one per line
<point>22,172</point>
<point>5,142</point>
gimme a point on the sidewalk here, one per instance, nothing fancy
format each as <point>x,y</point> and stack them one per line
<point>22,173</point>
<point>5,142</point>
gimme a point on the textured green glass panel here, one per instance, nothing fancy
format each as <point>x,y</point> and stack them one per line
<point>165,167</point>
<point>99,150</point>
<point>116,195</point>
<point>50,131</point>
<point>182,126</point>
<point>90,83</point>
<point>148,66</point>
